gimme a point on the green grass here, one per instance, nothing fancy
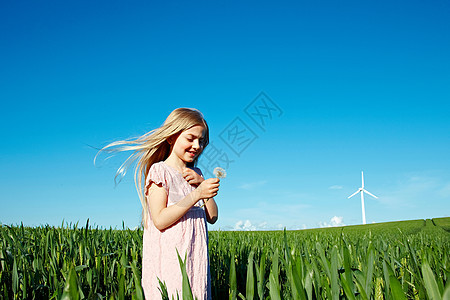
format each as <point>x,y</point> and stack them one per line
<point>404,260</point>
<point>444,223</point>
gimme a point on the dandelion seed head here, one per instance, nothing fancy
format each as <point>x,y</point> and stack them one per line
<point>220,173</point>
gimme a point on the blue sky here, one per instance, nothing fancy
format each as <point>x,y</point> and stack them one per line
<point>360,85</point>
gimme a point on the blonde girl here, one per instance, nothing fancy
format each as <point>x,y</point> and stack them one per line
<point>177,202</point>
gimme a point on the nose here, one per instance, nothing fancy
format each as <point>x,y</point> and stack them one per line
<point>196,144</point>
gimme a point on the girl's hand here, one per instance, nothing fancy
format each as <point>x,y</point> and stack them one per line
<point>208,188</point>
<point>192,177</point>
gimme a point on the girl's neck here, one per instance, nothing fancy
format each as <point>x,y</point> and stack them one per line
<point>176,163</point>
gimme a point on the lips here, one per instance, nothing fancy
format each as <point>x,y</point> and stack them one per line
<point>192,154</point>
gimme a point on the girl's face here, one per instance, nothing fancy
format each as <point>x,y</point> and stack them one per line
<point>189,144</point>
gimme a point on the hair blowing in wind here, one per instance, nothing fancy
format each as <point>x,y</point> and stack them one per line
<point>153,147</point>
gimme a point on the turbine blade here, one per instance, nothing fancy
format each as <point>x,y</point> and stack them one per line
<point>353,194</point>
<point>370,194</point>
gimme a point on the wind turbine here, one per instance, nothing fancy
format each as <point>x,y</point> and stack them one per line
<point>362,191</point>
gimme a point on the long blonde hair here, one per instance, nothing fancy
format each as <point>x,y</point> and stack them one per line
<point>153,147</point>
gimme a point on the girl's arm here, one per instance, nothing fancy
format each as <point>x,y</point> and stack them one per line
<point>212,212</point>
<point>163,216</point>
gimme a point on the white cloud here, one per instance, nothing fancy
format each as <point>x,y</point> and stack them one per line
<point>337,221</point>
<point>247,225</point>
<point>334,222</point>
<point>336,187</point>
<point>238,225</point>
<point>262,225</point>
<point>297,227</point>
<point>244,225</point>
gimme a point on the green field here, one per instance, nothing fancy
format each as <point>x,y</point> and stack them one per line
<point>396,260</point>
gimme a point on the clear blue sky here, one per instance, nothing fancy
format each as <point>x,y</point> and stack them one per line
<point>362,86</point>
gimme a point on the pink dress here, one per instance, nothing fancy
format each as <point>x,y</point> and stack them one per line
<point>189,236</point>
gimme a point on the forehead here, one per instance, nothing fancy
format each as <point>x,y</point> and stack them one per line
<point>197,131</point>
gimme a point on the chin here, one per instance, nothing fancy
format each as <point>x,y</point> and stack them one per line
<point>189,159</point>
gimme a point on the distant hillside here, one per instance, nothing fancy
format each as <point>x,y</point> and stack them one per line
<point>407,227</point>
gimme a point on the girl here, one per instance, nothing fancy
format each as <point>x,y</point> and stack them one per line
<point>177,202</point>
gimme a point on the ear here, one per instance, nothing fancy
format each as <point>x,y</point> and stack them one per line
<point>171,139</point>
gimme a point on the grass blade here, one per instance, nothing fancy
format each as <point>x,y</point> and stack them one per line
<point>137,281</point>
<point>369,271</point>
<point>260,274</point>
<point>335,291</point>
<point>71,288</point>
<point>446,295</point>
<point>396,288</point>
<point>274,287</point>
<point>347,289</point>
<point>274,284</point>
<point>250,286</point>
<point>233,281</point>
<point>430,282</point>
<point>186,287</point>
<point>15,279</point>
<point>347,268</point>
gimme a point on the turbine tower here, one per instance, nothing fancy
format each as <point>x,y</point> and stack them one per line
<point>362,191</point>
